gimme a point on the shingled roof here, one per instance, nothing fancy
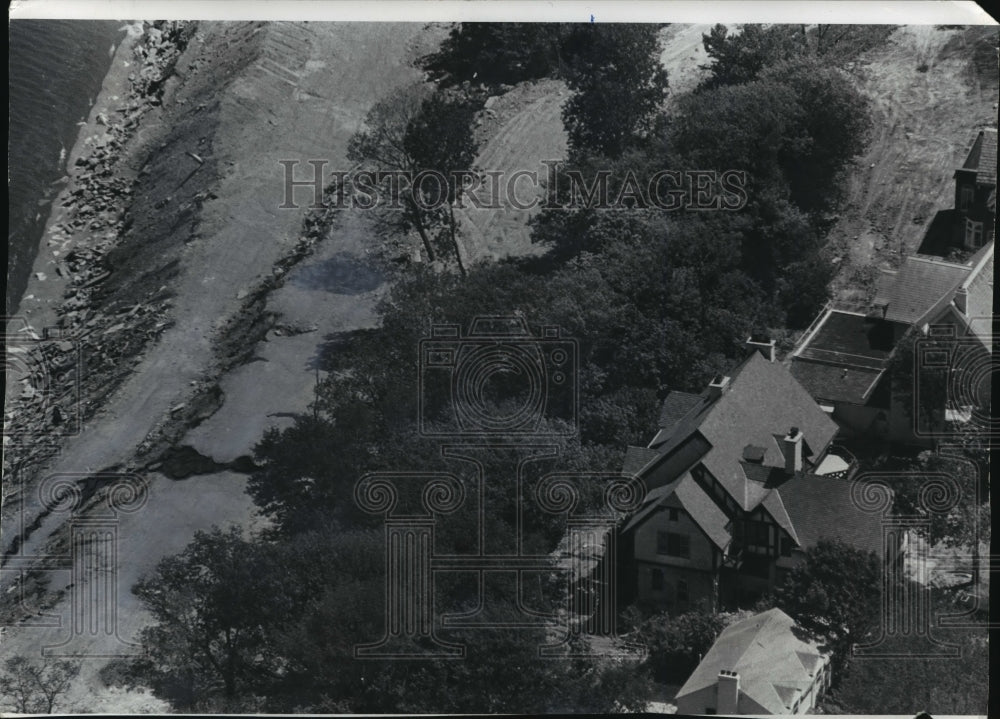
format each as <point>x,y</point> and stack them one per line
<point>760,403</point>
<point>821,508</point>
<point>702,509</point>
<point>675,406</point>
<point>763,398</point>
<point>921,286</point>
<point>776,661</point>
<point>982,157</point>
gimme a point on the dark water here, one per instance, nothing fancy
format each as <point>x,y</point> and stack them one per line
<point>55,70</point>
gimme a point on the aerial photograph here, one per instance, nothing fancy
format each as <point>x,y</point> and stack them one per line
<point>442,360</point>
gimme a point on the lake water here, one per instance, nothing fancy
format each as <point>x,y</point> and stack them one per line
<point>55,71</point>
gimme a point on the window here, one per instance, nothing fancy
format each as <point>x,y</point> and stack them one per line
<point>965,198</point>
<point>682,590</point>
<point>656,580</point>
<point>786,546</point>
<point>673,545</point>
<point>973,233</point>
<point>673,514</point>
<point>757,533</point>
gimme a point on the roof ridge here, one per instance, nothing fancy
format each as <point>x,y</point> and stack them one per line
<point>770,617</point>
<point>938,261</point>
<point>980,264</point>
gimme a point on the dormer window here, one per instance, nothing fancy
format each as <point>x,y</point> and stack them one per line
<point>973,233</point>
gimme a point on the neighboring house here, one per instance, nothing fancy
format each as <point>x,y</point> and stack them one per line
<point>970,224</point>
<point>763,664</point>
<point>843,360</point>
<point>976,193</point>
<point>740,482</point>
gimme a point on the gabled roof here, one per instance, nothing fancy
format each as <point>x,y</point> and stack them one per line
<point>775,660</point>
<point>761,402</point>
<point>921,286</point>
<point>705,513</point>
<point>776,508</point>
<point>763,398</point>
<point>822,508</point>
<point>979,296</point>
<point>982,157</point>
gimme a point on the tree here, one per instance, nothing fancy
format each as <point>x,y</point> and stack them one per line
<point>675,645</point>
<point>618,87</point>
<point>212,604</point>
<point>834,593</point>
<point>411,138</point>
<point>495,54</point>
<point>964,517</point>
<point>380,147</point>
<point>34,687</point>
<point>909,685</point>
<point>439,139</point>
<point>740,58</point>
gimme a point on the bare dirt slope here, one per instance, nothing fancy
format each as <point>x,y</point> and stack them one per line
<point>283,91</point>
<point>683,55</point>
<point>931,90</point>
<point>524,126</point>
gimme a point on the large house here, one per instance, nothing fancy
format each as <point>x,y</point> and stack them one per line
<point>760,665</point>
<point>976,192</point>
<point>844,359</point>
<point>740,481</point>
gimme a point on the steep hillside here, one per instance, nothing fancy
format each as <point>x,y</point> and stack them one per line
<point>932,89</point>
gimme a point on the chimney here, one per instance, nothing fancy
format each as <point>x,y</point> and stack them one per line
<point>763,343</point>
<point>962,300</point>
<point>728,697</point>
<point>717,386</point>
<point>793,451</point>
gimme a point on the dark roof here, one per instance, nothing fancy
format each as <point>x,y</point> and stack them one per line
<point>849,339</point>
<point>827,382</point>
<point>636,458</point>
<point>982,157</point>
<point>775,661</point>
<point>761,402</point>
<point>763,398</point>
<point>822,508</point>
<point>921,286</point>
<point>675,406</point>
<point>702,509</point>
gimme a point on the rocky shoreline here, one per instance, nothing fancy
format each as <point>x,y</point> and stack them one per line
<point>67,335</point>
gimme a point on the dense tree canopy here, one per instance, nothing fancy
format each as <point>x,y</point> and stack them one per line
<point>649,299</point>
<point>835,593</point>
